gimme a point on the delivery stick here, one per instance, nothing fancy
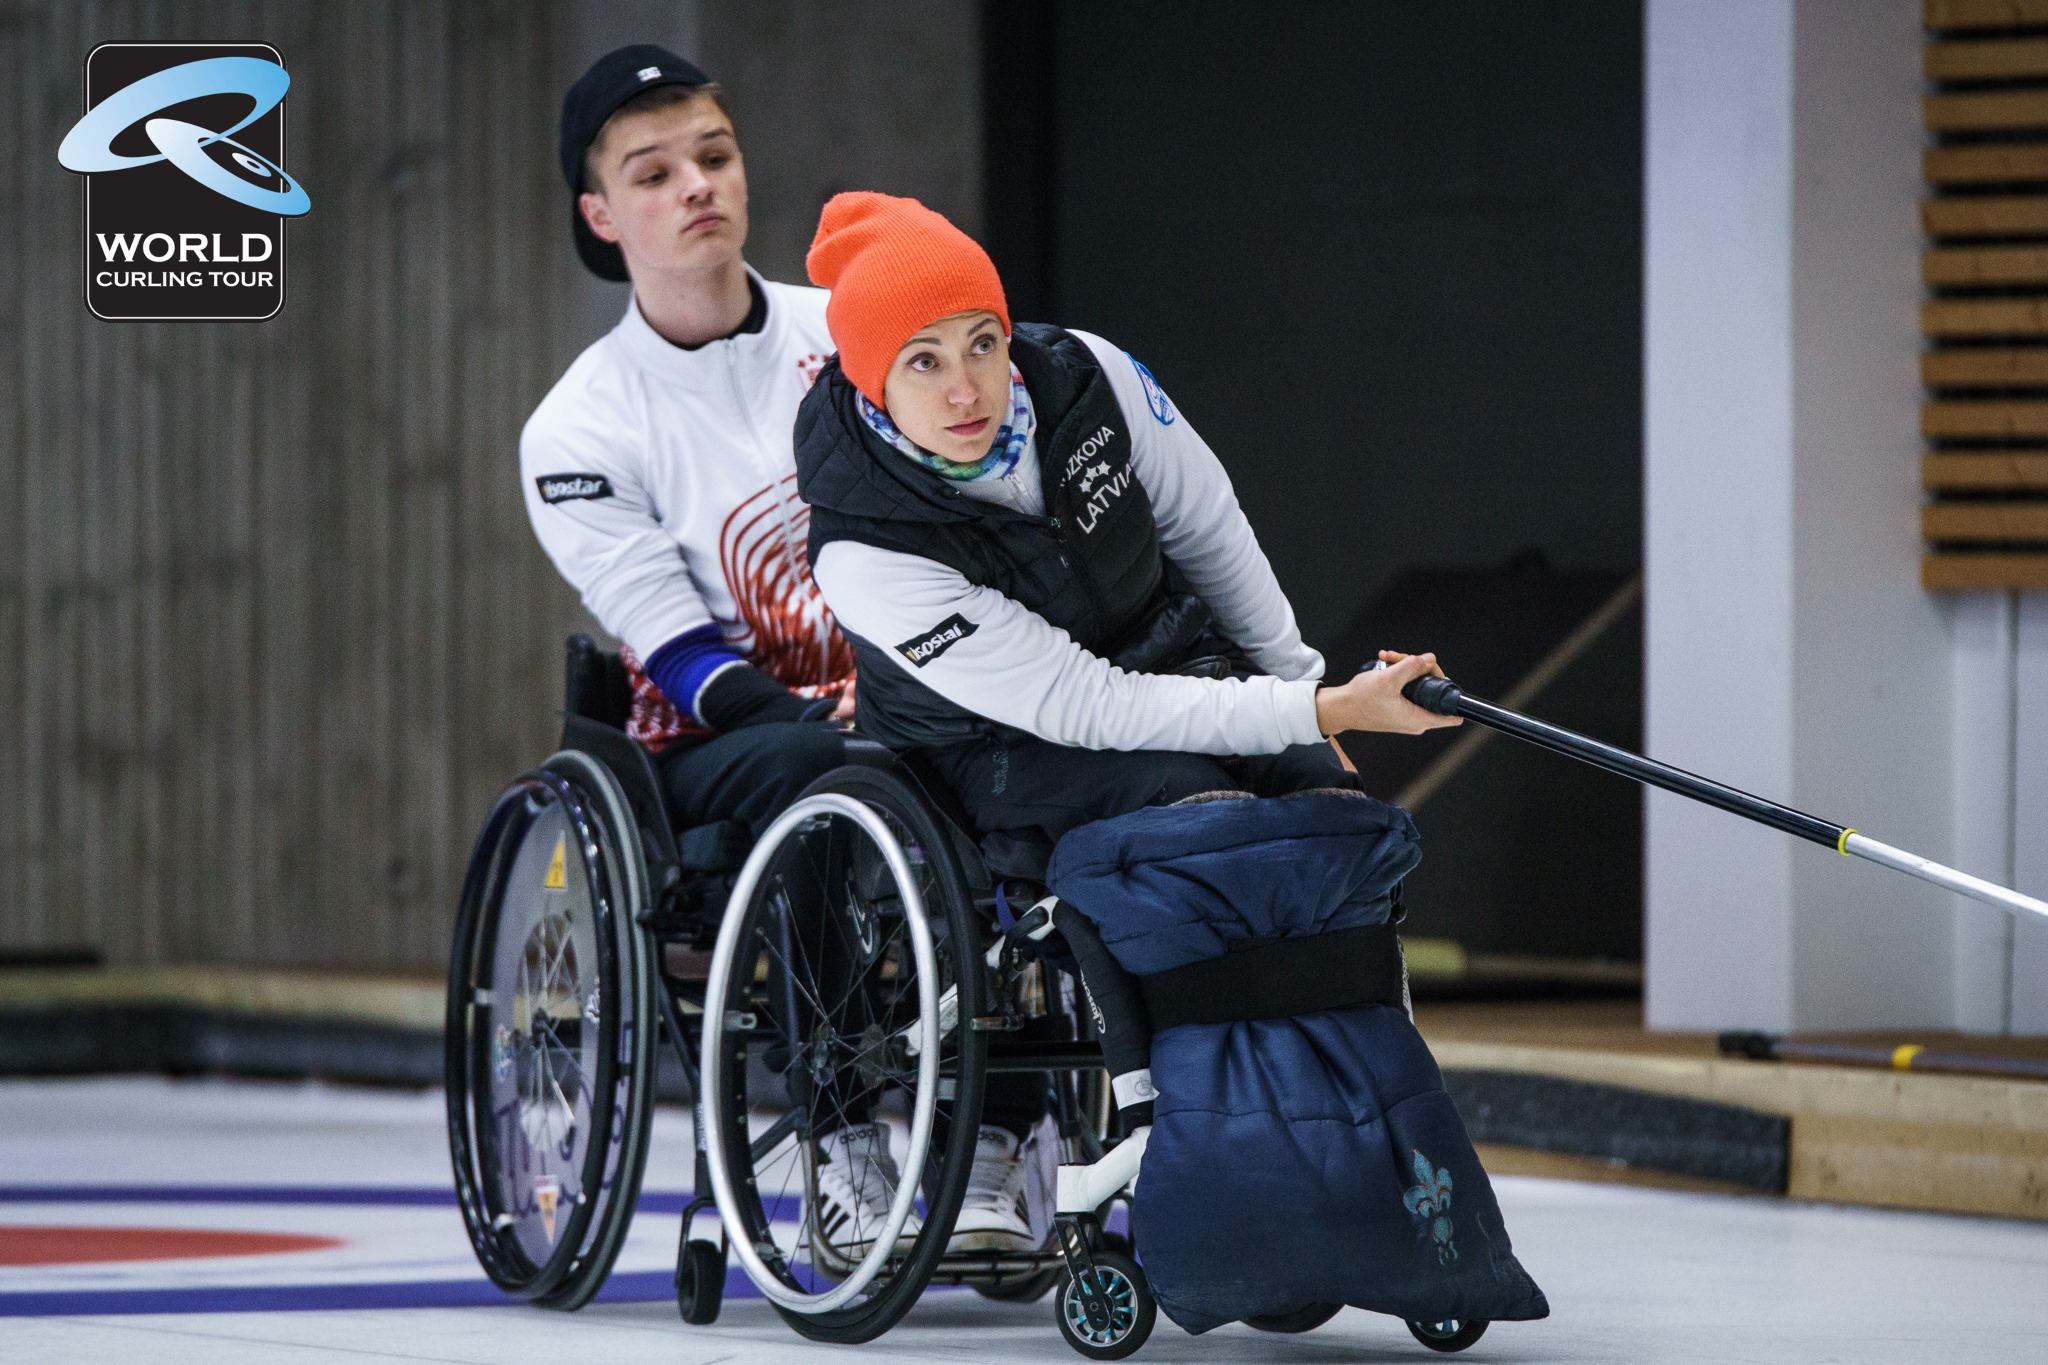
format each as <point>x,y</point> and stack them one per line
<point>1447,699</point>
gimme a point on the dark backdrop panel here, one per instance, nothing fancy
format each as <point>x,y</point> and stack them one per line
<point>1384,256</point>
<point>1528,853</point>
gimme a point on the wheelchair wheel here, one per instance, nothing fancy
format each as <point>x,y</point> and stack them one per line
<point>1448,1336</point>
<point>849,962</point>
<point>1126,1311</point>
<point>700,1282</point>
<point>550,1033</point>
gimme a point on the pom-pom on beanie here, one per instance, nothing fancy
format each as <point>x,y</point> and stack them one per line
<point>894,265</point>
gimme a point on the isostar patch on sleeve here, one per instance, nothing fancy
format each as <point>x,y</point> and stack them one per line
<point>572,487</point>
<point>922,649</point>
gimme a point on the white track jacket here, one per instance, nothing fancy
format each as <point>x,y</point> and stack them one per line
<point>1016,667</point>
<point>662,484</point>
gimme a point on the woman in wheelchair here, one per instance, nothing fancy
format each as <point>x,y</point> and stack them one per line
<point>1051,591</point>
<point>1050,588</point>
<point>1052,594</point>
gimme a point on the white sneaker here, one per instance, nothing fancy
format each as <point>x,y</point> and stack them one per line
<point>856,1184</point>
<point>995,1216</point>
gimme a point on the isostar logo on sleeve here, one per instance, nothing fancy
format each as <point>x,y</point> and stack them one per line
<point>572,487</point>
<point>186,196</point>
<point>922,649</point>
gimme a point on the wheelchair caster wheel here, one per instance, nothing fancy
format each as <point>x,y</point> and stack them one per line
<point>1123,1311</point>
<point>700,1282</point>
<point>1305,1319</point>
<point>1448,1336</point>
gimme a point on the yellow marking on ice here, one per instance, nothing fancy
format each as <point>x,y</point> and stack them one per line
<point>558,874</point>
<point>1842,844</point>
<point>1904,1053</point>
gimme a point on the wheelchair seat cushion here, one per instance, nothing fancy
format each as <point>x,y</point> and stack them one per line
<point>1300,1160</point>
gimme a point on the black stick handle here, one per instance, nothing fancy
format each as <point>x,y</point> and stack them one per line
<point>1446,698</point>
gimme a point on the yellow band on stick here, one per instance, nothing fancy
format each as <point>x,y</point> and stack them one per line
<point>1903,1055</point>
<point>1842,844</point>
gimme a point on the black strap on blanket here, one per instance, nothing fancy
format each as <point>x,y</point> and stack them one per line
<point>1278,977</point>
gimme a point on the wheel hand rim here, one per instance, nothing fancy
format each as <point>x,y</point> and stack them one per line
<point>712,1060</point>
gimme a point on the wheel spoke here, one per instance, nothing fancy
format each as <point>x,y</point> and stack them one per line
<point>790,975</point>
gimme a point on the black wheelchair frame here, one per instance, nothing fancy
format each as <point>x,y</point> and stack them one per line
<point>655,899</point>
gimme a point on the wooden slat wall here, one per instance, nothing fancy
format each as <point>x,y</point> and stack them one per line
<point>1986,317</point>
<point>273,628</point>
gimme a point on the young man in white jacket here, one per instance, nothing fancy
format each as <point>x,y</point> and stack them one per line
<point>659,477</point>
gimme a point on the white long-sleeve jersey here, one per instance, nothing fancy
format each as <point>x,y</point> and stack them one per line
<point>1012,665</point>
<point>663,485</point>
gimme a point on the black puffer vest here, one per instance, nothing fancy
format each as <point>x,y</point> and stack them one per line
<point>1091,565</point>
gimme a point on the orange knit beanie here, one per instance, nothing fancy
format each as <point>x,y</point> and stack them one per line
<point>893,265</point>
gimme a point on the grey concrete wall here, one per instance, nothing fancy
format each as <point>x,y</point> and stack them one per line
<point>273,630</point>
<point>273,627</point>
<point>596,27</point>
<point>830,96</point>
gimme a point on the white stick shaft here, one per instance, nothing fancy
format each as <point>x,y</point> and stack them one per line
<point>1991,893</point>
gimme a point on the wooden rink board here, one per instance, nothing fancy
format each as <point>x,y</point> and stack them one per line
<point>407,1001</point>
<point>1860,1135</point>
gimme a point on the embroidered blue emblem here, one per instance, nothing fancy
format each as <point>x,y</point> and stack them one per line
<point>1430,1201</point>
<point>1162,406</point>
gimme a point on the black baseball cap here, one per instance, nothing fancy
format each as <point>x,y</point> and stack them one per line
<point>612,80</point>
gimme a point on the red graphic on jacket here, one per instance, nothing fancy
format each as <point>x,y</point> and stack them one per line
<point>784,627</point>
<point>654,720</point>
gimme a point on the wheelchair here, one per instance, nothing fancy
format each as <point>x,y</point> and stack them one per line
<point>854,948</point>
<point>865,954</point>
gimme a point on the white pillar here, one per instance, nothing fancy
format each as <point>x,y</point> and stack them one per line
<point>1981,771</point>
<point>1717,538</point>
<point>1790,649</point>
<point>2029,988</point>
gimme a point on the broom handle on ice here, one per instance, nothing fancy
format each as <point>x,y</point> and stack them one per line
<point>1447,699</point>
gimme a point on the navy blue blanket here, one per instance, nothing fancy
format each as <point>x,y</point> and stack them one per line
<point>1313,1159</point>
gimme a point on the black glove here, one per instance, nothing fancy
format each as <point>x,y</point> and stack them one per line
<point>743,695</point>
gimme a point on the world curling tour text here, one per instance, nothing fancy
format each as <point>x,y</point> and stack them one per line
<point>163,247</point>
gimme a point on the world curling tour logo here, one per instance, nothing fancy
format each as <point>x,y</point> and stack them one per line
<point>186,196</point>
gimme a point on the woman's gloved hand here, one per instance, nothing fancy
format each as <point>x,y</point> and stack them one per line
<point>1373,700</point>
